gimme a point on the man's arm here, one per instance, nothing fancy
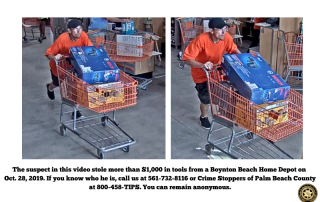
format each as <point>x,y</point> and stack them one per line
<point>236,51</point>
<point>194,63</point>
<point>53,51</point>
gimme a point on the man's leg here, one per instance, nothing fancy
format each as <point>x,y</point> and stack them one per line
<point>43,29</point>
<point>78,113</point>
<point>204,98</point>
<point>204,109</point>
<point>51,86</point>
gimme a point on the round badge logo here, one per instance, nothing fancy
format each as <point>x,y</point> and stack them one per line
<point>307,193</point>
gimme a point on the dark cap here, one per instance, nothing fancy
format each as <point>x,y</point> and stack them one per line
<point>73,24</point>
<point>217,23</point>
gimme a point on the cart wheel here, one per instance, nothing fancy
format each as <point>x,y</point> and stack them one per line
<point>100,154</point>
<point>144,87</point>
<point>181,65</point>
<point>103,121</point>
<point>209,149</point>
<point>137,91</point>
<point>63,131</point>
<point>249,135</point>
<point>126,149</point>
<point>40,40</point>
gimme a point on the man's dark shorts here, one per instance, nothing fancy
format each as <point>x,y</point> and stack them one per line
<point>203,92</point>
<point>55,79</point>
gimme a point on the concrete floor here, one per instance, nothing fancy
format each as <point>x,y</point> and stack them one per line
<point>188,138</point>
<point>41,137</point>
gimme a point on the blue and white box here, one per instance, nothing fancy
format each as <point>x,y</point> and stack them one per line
<point>254,79</point>
<point>128,28</point>
<point>93,65</point>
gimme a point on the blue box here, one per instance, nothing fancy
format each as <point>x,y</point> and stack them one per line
<point>93,65</point>
<point>254,79</point>
<point>127,28</point>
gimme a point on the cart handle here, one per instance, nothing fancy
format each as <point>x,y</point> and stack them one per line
<point>217,67</point>
<point>284,34</point>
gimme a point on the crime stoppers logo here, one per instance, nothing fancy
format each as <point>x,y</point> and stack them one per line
<point>307,193</point>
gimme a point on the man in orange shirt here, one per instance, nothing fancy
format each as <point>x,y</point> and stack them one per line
<point>73,38</point>
<point>204,51</point>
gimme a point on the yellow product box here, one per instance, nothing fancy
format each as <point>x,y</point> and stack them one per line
<point>264,115</point>
<point>100,94</point>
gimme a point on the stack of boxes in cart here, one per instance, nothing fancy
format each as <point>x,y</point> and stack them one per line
<point>92,65</point>
<point>250,74</point>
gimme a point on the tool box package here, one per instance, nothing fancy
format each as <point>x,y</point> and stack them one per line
<point>267,114</point>
<point>93,65</point>
<point>100,94</point>
<point>254,79</point>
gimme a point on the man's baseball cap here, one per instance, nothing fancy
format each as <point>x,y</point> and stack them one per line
<point>217,23</point>
<point>72,24</point>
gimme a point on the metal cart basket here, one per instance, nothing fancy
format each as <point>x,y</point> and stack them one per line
<point>98,130</point>
<point>293,44</point>
<point>132,48</point>
<point>190,28</point>
<point>260,125</point>
<point>31,33</point>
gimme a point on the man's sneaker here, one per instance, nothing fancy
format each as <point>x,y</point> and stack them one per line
<point>78,115</point>
<point>204,122</point>
<point>50,93</point>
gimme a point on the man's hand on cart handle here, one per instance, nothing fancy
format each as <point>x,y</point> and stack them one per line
<point>208,65</point>
<point>57,57</point>
<point>60,57</point>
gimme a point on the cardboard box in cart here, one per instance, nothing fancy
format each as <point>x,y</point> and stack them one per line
<point>254,79</point>
<point>265,115</point>
<point>93,65</point>
<point>93,96</point>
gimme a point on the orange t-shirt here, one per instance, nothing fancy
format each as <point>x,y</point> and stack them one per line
<point>202,49</point>
<point>62,45</point>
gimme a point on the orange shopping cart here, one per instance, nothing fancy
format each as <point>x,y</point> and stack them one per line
<point>293,71</point>
<point>97,129</point>
<point>190,28</point>
<point>32,32</point>
<point>125,49</point>
<point>262,126</point>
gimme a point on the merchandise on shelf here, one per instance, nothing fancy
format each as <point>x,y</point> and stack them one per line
<point>127,28</point>
<point>130,45</point>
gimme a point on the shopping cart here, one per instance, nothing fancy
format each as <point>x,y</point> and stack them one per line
<point>98,130</point>
<point>260,133</point>
<point>190,28</point>
<point>293,71</point>
<point>31,33</point>
<point>131,48</point>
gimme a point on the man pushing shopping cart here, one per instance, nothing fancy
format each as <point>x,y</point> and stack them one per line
<point>204,51</point>
<point>73,38</point>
